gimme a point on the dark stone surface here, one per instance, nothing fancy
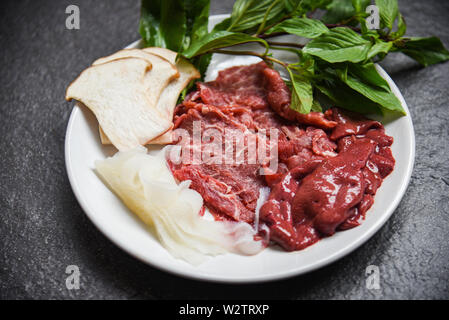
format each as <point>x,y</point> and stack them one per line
<point>43,229</point>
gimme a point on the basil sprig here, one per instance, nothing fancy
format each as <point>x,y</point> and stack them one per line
<point>337,62</point>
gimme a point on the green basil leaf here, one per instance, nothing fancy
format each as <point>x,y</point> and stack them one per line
<point>366,80</point>
<point>176,24</point>
<point>359,5</point>
<point>291,5</point>
<point>307,64</point>
<point>247,15</point>
<point>173,23</point>
<point>197,16</point>
<point>301,7</point>
<point>379,47</point>
<point>217,40</point>
<point>316,106</point>
<point>345,97</point>
<point>302,96</point>
<point>426,51</point>
<point>149,28</point>
<point>368,33</point>
<point>340,10</point>
<point>197,20</point>
<point>163,23</point>
<point>369,74</point>
<point>302,92</point>
<point>222,26</point>
<point>302,27</point>
<point>339,45</point>
<point>388,11</point>
<point>340,70</point>
<point>402,28</point>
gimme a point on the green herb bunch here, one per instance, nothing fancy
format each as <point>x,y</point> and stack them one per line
<point>337,61</point>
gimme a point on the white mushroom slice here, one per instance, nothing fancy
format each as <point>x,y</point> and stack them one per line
<point>117,93</point>
<point>163,72</point>
<point>169,96</point>
<point>162,52</point>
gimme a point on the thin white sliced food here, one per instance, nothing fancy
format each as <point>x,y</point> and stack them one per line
<point>169,97</point>
<point>127,53</point>
<point>147,187</point>
<point>166,138</point>
<point>117,94</point>
<point>162,52</point>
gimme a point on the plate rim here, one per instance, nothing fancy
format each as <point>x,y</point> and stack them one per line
<point>257,278</point>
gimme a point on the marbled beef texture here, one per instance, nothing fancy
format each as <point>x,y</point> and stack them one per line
<point>329,164</point>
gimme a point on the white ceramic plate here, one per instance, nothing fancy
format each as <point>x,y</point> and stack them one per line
<point>83,147</point>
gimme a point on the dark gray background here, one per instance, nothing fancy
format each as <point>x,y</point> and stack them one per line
<point>43,229</point>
